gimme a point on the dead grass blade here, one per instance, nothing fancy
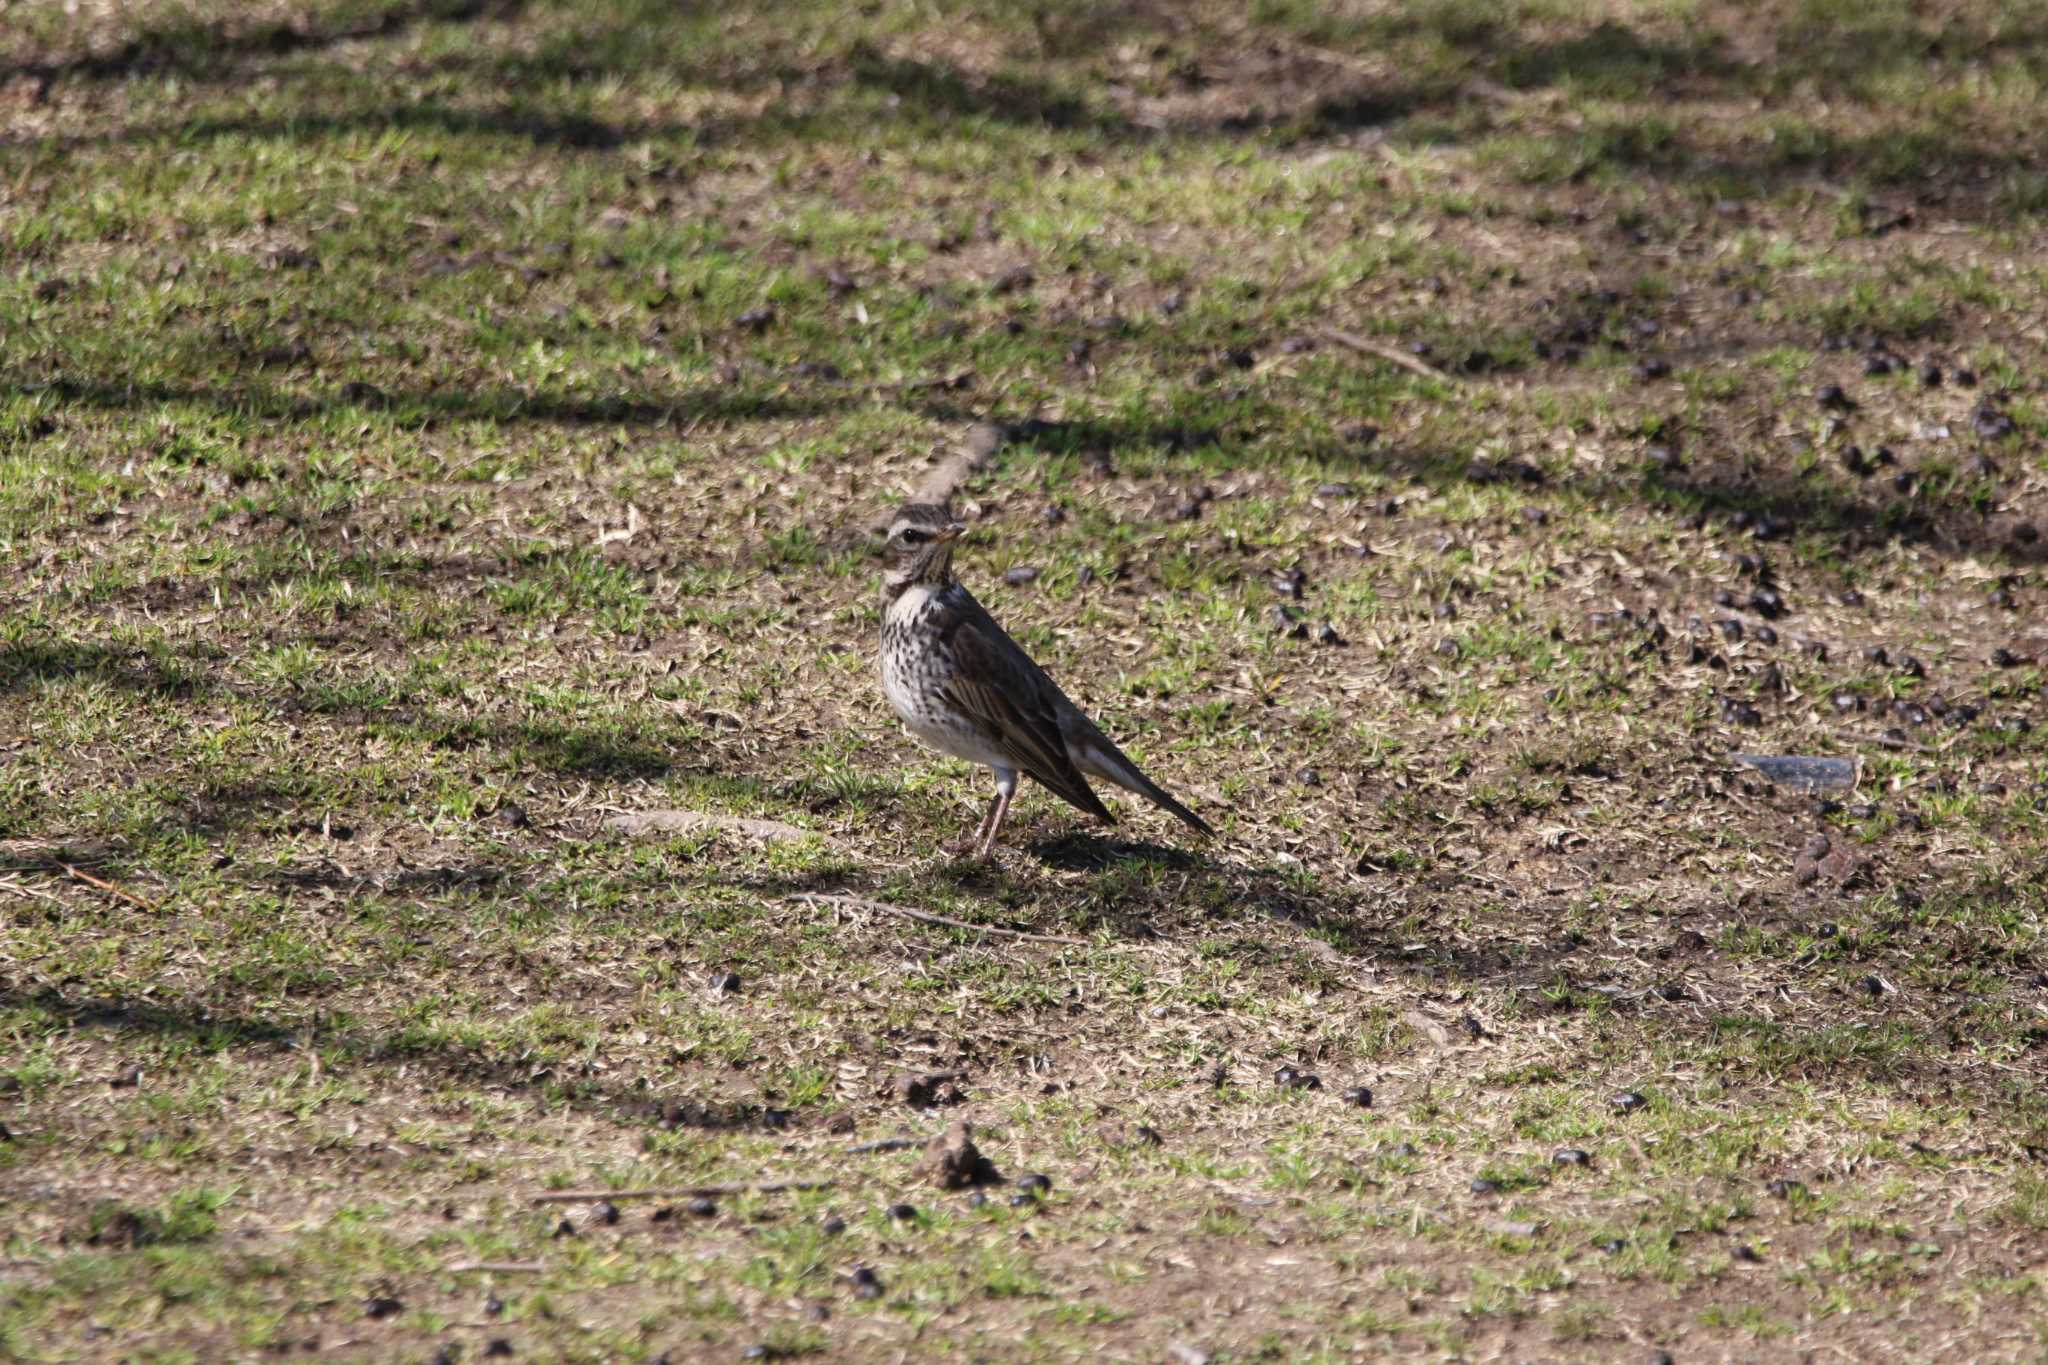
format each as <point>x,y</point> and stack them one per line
<point>906,912</point>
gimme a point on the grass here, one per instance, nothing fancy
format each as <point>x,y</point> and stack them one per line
<point>428,430</point>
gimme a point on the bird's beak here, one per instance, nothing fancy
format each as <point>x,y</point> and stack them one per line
<point>952,533</point>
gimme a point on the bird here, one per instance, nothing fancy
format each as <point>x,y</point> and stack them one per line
<point>959,683</point>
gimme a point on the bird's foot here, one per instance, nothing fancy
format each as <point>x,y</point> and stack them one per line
<point>967,850</point>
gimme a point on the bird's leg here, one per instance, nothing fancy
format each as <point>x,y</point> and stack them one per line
<point>972,847</point>
<point>1006,787</point>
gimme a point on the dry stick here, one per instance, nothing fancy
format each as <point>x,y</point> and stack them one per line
<point>684,1191</point>
<point>109,888</point>
<point>884,908</point>
<point>895,1144</point>
<point>1367,346</point>
<point>977,448</point>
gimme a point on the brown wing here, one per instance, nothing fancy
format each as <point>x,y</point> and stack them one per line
<point>996,683</point>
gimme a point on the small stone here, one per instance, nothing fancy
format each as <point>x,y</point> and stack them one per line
<point>493,1305</point>
<point>1035,1183</point>
<point>1745,1252</point>
<point>1876,654</point>
<point>1992,424</point>
<point>702,1207</point>
<point>756,319</point>
<point>1627,1102</point>
<point>1834,398</point>
<point>903,1213</point>
<point>1570,1156</point>
<point>725,983</point>
<point>1327,636</point>
<point>1784,1189</point>
<point>1481,1185</point>
<point>565,1228</point>
<point>833,1225</point>
<point>383,1306</point>
<point>1930,374</point>
<point>866,1283</point>
<point>1021,576</point>
<point>952,1161</point>
<point>1288,1078</point>
<point>1284,621</point>
<point>1910,666</point>
<point>497,1348</point>
<point>604,1212</point>
<point>1358,1097</point>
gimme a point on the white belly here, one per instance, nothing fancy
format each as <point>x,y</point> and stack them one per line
<point>914,698</point>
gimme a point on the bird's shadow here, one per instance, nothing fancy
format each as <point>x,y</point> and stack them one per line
<point>1082,851</point>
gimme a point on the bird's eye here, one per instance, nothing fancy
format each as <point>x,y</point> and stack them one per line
<point>912,536</point>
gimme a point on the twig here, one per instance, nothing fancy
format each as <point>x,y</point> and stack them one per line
<point>1367,346</point>
<point>497,1267</point>
<point>884,908</point>
<point>895,1144</point>
<point>72,870</point>
<point>684,1191</point>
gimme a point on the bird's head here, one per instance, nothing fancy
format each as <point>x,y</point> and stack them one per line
<point>919,546</point>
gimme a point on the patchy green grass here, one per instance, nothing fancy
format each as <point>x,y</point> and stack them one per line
<point>430,430</point>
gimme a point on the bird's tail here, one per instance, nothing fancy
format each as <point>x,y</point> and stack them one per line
<point>1100,758</point>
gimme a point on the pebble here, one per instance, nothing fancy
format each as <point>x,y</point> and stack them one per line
<point>1288,1078</point>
